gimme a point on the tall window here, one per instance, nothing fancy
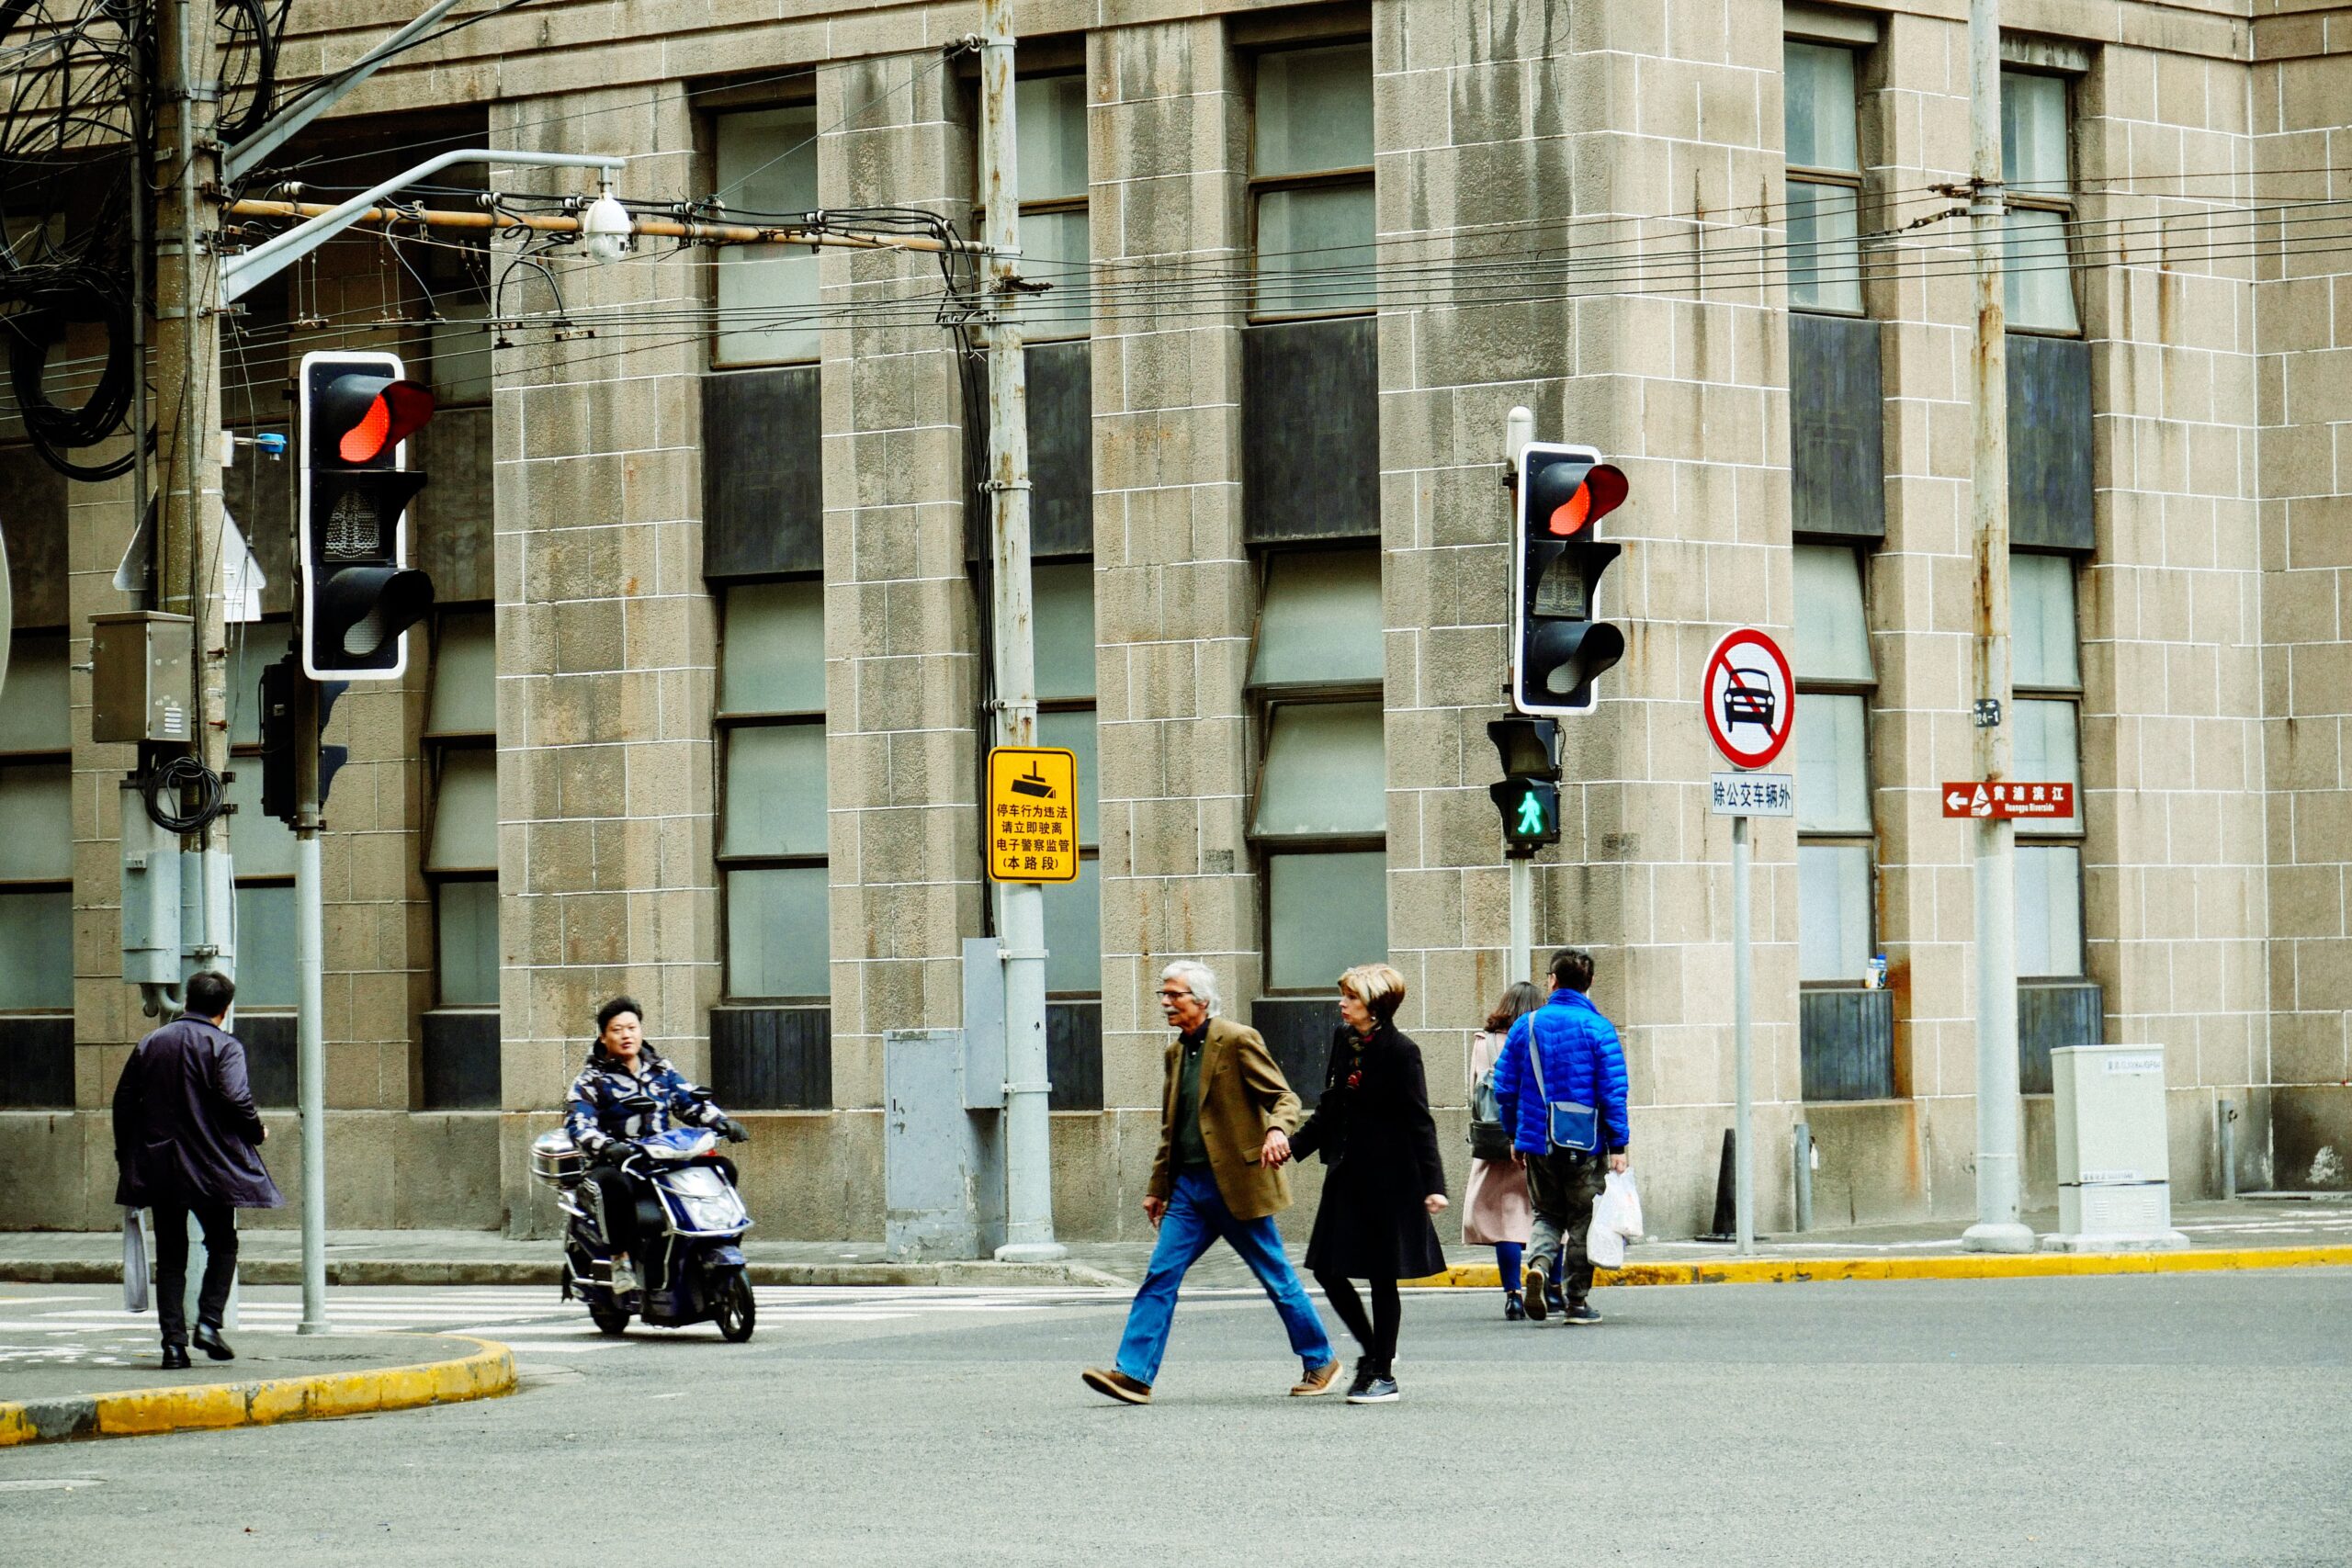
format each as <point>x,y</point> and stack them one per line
<point>461,859</point>
<point>1064,618</point>
<point>2047,698</point>
<point>1064,599</point>
<point>36,828</point>
<point>1310,181</point>
<point>767,293</point>
<point>2037,290</point>
<point>1824,179</point>
<point>1049,113</point>
<point>771,844</point>
<point>261,846</point>
<point>1320,820</point>
<point>1835,843</point>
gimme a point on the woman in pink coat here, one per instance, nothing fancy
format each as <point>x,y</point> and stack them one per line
<point>1495,1208</point>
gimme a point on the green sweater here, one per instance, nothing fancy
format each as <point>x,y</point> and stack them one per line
<point>1187,1147</point>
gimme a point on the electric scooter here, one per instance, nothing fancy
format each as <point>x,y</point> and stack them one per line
<point>690,1219</point>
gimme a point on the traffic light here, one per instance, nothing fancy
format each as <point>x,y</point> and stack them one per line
<point>1559,644</point>
<point>1528,794</point>
<point>359,597</point>
<point>286,729</point>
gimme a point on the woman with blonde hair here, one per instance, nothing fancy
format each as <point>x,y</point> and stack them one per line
<point>1496,1210</point>
<point>1373,1130</point>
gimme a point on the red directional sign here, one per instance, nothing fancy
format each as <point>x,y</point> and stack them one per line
<point>1749,697</point>
<point>2008,797</point>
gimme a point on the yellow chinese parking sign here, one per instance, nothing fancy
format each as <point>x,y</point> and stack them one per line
<point>1033,814</point>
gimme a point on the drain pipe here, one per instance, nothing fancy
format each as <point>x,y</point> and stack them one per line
<point>2229,1116</point>
<point>1801,1139</point>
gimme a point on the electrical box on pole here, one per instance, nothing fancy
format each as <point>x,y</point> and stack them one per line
<point>1559,644</point>
<point>359,594</point>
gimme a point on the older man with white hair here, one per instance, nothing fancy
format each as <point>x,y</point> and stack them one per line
<point>1225,1118</point>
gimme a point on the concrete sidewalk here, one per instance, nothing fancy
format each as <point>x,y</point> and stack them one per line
<point>2244,1234</point>
<point>61,1387</point>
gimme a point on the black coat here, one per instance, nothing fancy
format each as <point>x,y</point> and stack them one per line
<point>184,1125</point>
<point>1377,1136</point>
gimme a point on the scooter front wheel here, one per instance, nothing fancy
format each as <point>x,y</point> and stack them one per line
<point>736,1312</point>
<point>608,1318</point>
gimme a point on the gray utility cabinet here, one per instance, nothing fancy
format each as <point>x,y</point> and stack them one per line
<point>943,1161</point>
<point>2114,1165</point>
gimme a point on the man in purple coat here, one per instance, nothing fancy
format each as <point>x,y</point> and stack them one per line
<point>186,1136</point>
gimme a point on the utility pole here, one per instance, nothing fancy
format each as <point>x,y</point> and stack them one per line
<point>1021,905</point>
<point>1997,1227</point>
<point>187,342</point>
<point>1519,429</point>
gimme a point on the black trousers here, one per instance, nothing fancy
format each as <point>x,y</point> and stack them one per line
<point>616,1192</point>
<point>220,1223</point>
<point>1377,1333</point>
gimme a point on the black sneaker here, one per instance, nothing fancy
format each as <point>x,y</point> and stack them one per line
<point>1380,1389</point>
<point>1514,1308</point>
<point>1361,1382</point>
<point>1536,1292</point>
<point>1556,1301</point>
<point>1581,1315</point>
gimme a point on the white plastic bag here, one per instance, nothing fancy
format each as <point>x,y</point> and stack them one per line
<point>1603,1248</point>
<point>1616,1220</point>
<point>134,1263</point>
<point>1620,1204</point>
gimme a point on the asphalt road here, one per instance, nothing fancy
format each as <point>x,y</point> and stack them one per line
<point>2180,1418</point>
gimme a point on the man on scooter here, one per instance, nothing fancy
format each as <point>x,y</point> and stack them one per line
<point>626,1092</point>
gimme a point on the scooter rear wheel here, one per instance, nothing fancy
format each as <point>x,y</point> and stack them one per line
<point>736,1312</point>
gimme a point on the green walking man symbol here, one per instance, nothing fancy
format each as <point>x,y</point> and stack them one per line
<point>1531,815</point>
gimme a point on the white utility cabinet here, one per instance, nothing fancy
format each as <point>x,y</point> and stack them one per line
<point>2114,1171</point>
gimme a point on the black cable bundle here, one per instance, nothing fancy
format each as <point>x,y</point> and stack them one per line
<point>76,124</point>
<point>183,773</point>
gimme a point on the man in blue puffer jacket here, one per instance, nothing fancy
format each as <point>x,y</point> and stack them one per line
<point>1582,1063</point>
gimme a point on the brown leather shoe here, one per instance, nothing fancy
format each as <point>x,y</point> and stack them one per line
<point>1322,1380</point>
<point>1118,1386</point>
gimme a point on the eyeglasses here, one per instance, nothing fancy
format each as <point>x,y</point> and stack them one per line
<point>1174,996</point>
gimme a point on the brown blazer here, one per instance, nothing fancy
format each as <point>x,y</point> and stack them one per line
<point>1242,1095</point>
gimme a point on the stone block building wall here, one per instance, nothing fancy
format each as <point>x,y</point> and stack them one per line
<point>1175,593</point>
<point>903,651</point>
<point>2303,351</point>
<point>1620,161</point>
<point>605,639</point>
<point>2170,620</point>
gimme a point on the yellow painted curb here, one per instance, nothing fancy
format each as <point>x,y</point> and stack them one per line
<point>1966,1266</point>
<point>487,1373</point>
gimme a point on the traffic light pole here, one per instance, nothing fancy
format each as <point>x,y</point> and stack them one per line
<point>1519,429</point>
<point>1021,905</point>
<point>1997,1227</point>
<point>309,1023</point>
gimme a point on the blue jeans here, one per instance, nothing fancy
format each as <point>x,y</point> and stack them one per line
<point>1196,1217</point>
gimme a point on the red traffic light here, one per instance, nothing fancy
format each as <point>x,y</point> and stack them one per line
<point>1603,491</point>
<point>394,411</point>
